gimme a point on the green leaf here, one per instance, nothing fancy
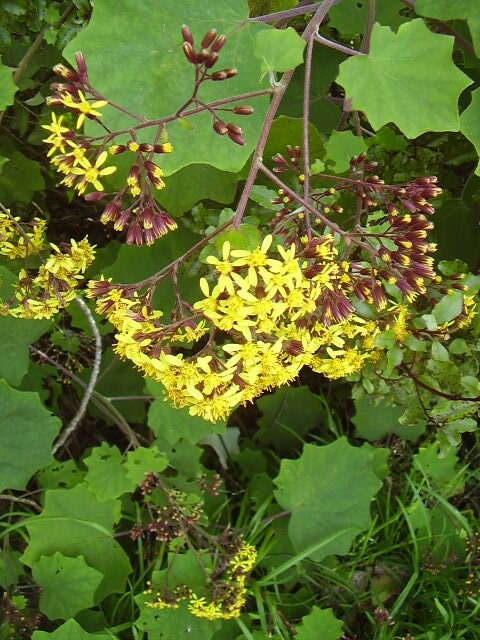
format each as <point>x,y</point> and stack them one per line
<point>449,307</point>
<point>197,182</point>
<point>263,7</point>
<point>279,49</point>
<point>68,585</point>
<point>148,42</point>
<point>463,244</point>
<point>470,125</point>
<point>286,130</point>
<point>106,476</point>
<point>468,10</point>
<point>7,87</point>
<point>71,630</point>
<point>175,624</point>
<point>173,424</point>
<point>407,93</point>
<point>350,16</point>
<point>20,170</point>
<point>439,352</point>
<point>441,467</point>
<point>142,461</point>
<point>27,431</point>
<point>287,415</point>
<point>375,421</point>
<point>328,491</point>
<point>320,623</point>
<point>10,568</point>
<point>17,334</point>
<point>60,475</point>
<point>135,263</point>
<point>341,147</point>
<point>74,523</point>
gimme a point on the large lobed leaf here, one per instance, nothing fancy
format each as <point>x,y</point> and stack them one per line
<point>395,83</point>
<point>27,431</point>
<point>468,10</point>
<point>328,491</point>
<point>74,523</point>
<point>146,71</point>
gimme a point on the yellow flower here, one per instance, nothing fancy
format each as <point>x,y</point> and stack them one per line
<point>56,137</point>
<point>91,173</point>
<point>85,107</point>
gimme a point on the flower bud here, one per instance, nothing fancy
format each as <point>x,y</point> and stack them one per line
<point>201,56</point>
<point>64,72</point>
<point>211,60</point>
<point>81,67</point>
<point>166,147</point>
<point>237,138</point>
<point>231,72</point>
<point>220,127</point>
<point>94,196</point>
<point>122,220</point>
<point>218,44</point>
<point>208,38</point>
<point>233,128</point>
<point>243,110</point>
<point>219,75</point>
<point>187,35</point>
<point>189,52</point>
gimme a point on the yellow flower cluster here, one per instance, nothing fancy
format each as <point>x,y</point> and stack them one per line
<point>72,160</point>
<point>230,593</point>
<point>20,240</point>
<point>54,286</point>
<point>271,320</point>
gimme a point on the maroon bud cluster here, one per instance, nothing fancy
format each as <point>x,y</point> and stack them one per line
<point>291,163</point>
<point>204,58</point>
<point>76,80</point>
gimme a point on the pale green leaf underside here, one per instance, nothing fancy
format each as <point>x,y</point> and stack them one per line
<point>279,50</point>
<point>7,87</point>
<point>395,83</point>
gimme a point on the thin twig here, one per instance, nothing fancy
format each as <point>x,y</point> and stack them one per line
<point>91,383</point>
<point>337,46</point>
<point>306,132</point>
<point>442,394</point>
<point>31,503</point>
<point>100,401</point>
<point>280,90</point>
<point>287,13</point>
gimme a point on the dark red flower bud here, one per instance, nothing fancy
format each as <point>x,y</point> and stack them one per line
<point>208,38</point>
<point>189,52</point>
<point>218,44</point>
<point>219,75</point>
<point>202,55</point>
<point>211,60</point>
<point>81,66</point>
<point>243,111</point>
<point>220,127</point>
<point>235,137</point>
<point>234,128</point>
<point>231,72</point>
<point>64,72</point>
<point>94,196</point>
<point>187,34</point>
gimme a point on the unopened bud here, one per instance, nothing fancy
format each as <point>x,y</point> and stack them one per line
<point>243,111</point>
<point>64,72</point>
<point>202,55</point>
<point>231,72</point>
<point>219,75</point>
<point>211,60</point>
<point>218,44</point>
<point>189,52</point>
<point>187,34</point>
<point>208,38</point>
<point>220,127</point>
<point>234,128</point>
<point>237,138</point>
<point>81,66</point>
<point>94,196</point>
